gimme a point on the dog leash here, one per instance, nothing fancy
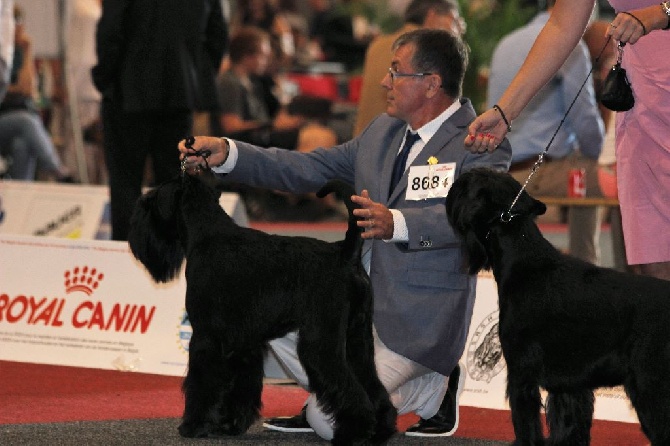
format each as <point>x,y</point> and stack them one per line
<point>506,217</point>
<point>188,142</point>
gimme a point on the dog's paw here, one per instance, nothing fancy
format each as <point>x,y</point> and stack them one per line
<point>354,428</point>
<point>192,430</point>
<point>386,424</point>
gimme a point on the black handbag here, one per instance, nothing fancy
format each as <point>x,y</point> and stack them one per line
<point>617,94</point>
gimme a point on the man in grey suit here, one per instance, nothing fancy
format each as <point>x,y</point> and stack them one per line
<point>423,294</point>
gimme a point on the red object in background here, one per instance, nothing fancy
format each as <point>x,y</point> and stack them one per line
<point>577,183</point>
<point>320,85</point>
<point>355,84</point>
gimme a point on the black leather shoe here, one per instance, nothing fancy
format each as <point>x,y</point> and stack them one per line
<point>445,422</point>
<point>296,423</point>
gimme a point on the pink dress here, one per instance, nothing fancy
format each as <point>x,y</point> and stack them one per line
<point>643,146</point>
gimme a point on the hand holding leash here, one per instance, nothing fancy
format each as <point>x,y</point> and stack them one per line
<point>487,131</point>
<point>202,152</point>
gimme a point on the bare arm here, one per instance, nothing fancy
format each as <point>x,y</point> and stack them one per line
<point>25,83</point>
<point>552,47</point>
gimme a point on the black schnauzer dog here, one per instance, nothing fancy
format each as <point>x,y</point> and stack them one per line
<point>565,325</point>
<point>246,287</point>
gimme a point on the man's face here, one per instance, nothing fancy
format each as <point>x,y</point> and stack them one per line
<point>259,61</point>
<point>404,94</point>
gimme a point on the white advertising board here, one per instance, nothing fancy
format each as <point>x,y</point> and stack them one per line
<point>52,209</point>
<point>71,210</point>
<point>88,304</point>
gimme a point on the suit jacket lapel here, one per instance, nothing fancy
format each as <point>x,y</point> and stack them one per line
<point>445,134</point>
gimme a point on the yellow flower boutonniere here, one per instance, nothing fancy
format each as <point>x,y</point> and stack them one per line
<point>432,160</point>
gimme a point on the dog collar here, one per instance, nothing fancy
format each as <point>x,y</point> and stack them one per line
<point>504,217</point>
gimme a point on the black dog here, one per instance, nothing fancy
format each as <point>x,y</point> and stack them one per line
<point>246,287</point>
<point>565,325</point>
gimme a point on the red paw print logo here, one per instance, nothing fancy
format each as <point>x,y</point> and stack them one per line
<point>82,279</point>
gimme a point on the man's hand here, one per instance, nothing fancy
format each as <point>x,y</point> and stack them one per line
<point>377,219</point>
<point>195,162</point>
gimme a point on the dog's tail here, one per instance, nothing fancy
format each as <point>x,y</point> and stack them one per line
<point>352,243</point>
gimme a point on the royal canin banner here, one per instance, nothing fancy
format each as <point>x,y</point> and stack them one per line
<point>88,304</point>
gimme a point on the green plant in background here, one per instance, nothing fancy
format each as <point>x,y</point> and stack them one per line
<point>487,22</point>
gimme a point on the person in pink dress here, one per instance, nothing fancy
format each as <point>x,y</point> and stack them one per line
<point>642,133</point>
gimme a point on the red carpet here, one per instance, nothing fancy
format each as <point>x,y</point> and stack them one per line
<point>35,393</point>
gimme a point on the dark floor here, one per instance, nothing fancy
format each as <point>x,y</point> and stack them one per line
<point>163,432</point>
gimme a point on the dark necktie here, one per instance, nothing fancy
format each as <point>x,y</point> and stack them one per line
<point>401,159</point>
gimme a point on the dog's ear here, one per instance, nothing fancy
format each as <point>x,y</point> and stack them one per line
<point>153,237</point>
<point>165,206</point>
<point>528,205</point>
<point>538,207</point>
<point>467,207</point>
<point>476,252</point>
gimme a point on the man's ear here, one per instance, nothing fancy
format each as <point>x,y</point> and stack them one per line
<point>436,81</point>
<point>434,85</point>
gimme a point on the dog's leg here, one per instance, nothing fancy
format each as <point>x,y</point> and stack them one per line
<point>650,401</point>
<point>201,387</point>
<point>569,416</point>
<point>241,402</point>
<point>360,356</point>
<point>322,351</point>
<point>525,403</point>
<point>222,391</point>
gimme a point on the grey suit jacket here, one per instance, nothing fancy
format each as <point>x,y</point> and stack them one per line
<point>423,294</point>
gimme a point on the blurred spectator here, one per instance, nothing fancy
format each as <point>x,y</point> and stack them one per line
<point>307,51</point>
<point>265,15</point>
<point>6,43</point>
<point>320,11</point>
<point>249,108</point>
<point>153,74</point>
<point>83,16</point>
<point>24,141</point>
<point>249,112</point>
<point>347,32</point>
<point>439,14</point>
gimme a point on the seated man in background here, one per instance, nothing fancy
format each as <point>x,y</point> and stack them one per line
<point>24,141</point>
<point>244,112</point>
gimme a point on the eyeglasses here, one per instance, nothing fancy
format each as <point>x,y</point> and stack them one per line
<point>394,74</point>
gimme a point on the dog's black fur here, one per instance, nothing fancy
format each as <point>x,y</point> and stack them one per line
<point>565,325</point>
<point>246,287</point>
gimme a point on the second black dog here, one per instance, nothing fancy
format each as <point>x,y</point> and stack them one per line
<point>565,325</point>
<point>246,287</point>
